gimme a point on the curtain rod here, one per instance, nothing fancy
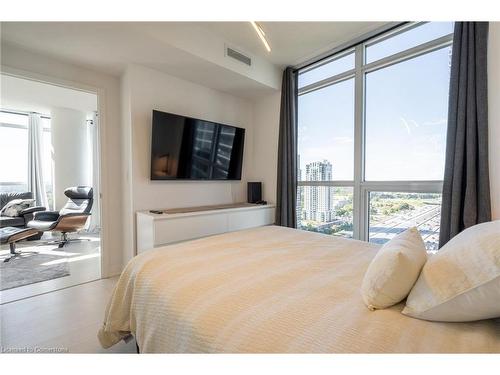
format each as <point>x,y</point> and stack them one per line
<point>24,113</point>
<point>351,43</point>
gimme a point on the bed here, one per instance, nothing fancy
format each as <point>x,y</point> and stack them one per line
<point>270,290</point>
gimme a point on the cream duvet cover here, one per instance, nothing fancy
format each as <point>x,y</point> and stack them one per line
<point>270,290</point>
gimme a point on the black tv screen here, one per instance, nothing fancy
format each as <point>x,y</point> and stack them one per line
<point>185,148</point>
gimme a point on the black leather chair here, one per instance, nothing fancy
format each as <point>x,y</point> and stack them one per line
<point>70,218</point>
<point>25,215</point>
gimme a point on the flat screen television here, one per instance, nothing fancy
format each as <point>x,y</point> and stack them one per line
<point>185,148</point>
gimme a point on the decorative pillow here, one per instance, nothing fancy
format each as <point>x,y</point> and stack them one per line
<point>13,207</point>
<point>394,270</point>
<point>461,283</point>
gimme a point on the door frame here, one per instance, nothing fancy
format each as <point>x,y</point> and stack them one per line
<point>102,136</point>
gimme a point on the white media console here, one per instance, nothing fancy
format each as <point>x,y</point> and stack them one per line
<point>181,224</point>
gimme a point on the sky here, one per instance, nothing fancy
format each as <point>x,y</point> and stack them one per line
<point>406,113</point>
<point>14,150</point>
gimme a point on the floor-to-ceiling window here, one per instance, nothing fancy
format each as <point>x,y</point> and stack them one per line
<point>372,133</point>
<point>14,153</point>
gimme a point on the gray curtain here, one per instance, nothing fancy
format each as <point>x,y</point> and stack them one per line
<point>286,199</point>
<point>35,160</point>
<point>466,188</point>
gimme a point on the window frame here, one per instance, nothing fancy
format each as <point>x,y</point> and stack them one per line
<point>45,129</point>
<point>361,187</point>
<point>14,126</point>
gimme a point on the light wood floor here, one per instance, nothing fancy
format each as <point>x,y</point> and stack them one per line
<point>83,260</point>
<point>66,319</point>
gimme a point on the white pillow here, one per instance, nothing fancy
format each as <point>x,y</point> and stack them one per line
<point>394,270</point>
<point>13,207</point>
<point>461,282</point>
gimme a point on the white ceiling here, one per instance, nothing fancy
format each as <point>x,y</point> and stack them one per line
<point>291,42</point>
<point>189,50</point>
<point>32,96</point>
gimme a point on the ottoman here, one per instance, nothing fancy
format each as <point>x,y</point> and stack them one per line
<point>11,235</point>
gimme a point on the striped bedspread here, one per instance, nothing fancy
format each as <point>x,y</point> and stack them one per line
<point>272,290</point>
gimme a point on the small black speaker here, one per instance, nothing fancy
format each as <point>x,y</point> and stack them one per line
<point>254,192</point>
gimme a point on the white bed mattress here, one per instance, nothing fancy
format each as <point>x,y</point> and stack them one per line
<point>274,290</point>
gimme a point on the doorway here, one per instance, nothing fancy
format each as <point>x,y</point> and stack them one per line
<point>49,167</point>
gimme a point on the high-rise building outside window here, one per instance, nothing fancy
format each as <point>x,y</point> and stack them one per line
<point>372,134</point>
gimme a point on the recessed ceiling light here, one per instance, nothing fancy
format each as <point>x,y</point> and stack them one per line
<point>261,34</point>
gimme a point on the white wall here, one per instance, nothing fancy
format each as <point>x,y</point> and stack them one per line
<point>266,129</point>
<point>72,162</point>
<point>33,96</point>
<point>146,89</point>
<point>21,62</point>
<point>128,220</point>
<point>494,116</point>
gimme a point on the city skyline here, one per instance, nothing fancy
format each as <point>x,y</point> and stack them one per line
<point>328,209</point>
